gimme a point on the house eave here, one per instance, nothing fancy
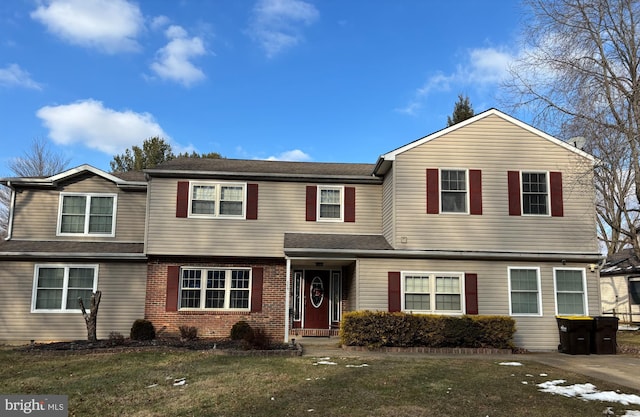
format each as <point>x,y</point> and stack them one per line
<point>257,176</point>
<point>68,255</point>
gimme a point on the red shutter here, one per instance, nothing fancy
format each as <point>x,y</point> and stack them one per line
<point>395,303</point>
<point>256,289</point>
<point>173,285</point>
<point>349,204</point>
<point>182,200</point>
<point>312,198</point>
<point>555,180</point>
<point>475,191</point>
<point>514,193</point>
<point>471,293</point>
<point>433,193</point>
<point>252,201</point>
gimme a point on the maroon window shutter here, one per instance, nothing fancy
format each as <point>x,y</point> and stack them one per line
<point>471,293</point>
<point>349,204</point>
<point>182,201</point>
<point>252,201</point>
<point>433,192</point>
<point>256,289</point>
<point>312,199</point>
<point>173,285</point>
<point>475,191</point>
<point>555,180</point>
<point>514,193</point>
<point>395,303</point>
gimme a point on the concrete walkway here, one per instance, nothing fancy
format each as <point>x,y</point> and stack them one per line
<point>619,369</point>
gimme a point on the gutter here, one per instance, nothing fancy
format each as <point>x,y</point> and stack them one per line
<point>76,255</point>
<point>346,179</point>
<point>12,206</point>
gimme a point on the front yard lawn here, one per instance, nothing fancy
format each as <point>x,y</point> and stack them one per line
<point>144,384</point>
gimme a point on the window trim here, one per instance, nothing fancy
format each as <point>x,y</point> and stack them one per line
<point>433,293</point>
<point>65,286</point>
<point>539,291</point>
<point>585,297</point>
<point>203,289</point>
<point>87,214</point>
<point>467,191</point>
<point>218,186</point>
<point>548,184</point>
<point>319,217</point>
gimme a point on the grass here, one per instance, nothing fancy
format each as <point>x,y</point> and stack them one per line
<point>631,338</point>
<point>117,384</point>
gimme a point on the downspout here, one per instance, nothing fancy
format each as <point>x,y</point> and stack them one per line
<point>12,205</point>
<point>287,302</point>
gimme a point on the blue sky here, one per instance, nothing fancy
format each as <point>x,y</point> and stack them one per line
<point>312,80</point>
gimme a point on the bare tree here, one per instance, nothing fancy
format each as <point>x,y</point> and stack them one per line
<point>581,71</point>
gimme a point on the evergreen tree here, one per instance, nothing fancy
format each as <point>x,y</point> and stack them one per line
<point>462,110</point>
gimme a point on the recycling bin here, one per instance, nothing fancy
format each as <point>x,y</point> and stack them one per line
<point>603,335</point>
<point>575,334</point>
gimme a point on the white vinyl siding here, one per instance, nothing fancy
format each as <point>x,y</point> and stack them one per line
<point>431,292</point>
<point>217,200</point>
<point>571,293</point>
<point>524,291</point>
<point>56,288</point>
<point>215,289</point>
<point>330,203</point>
<point>87,214</point>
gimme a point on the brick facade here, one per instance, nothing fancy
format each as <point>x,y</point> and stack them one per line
<point>270,318</point>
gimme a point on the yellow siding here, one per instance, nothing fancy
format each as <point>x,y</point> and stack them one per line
<point>36,212</point>
<point>534,333</point>
<point>614,291</point>
<point>494,146</point>
<point>281,209</point>
<point>123,292</point>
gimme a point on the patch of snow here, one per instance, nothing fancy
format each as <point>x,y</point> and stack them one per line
<point>325,363</point>
<point>510,364</point>
<point>180,381</point>
<point>525,383</point>
<point>544,375</point>
<point>152,386</point>
<point>631,413</point>
<point>587,392</point>
<point>358,366</point>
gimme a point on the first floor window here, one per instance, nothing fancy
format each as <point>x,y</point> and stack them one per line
<point>570,292</point>
<point>432,292</point>
<point>219,289</point>
<point>58,287</point>
<point>634,290</point>
<point>524,291</point>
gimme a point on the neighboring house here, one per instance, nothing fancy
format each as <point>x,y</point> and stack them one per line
<point>620,286</point>
<point>489,216</point>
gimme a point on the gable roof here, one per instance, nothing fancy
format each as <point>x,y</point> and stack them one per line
<point>384,161</point>
<point>121,179</point>
<point>624,262</point>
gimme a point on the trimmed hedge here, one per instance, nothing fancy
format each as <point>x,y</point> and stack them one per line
<point>378,329</point>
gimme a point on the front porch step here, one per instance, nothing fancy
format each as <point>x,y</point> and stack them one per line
<point>313,332</point>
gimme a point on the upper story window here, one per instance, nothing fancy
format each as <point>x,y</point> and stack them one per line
<point>217,200</point>
<point>524,291</point>
<point>56,288</point>
<point>330,206</point>
<point>218,289</point>
<point>87,214</point>
<point>453,189</point>
<point>432,292</point>
<point>535,194</point>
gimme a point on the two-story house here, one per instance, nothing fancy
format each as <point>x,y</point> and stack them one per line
<point>489,216</point>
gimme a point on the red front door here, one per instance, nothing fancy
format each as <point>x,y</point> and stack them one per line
<point>316,300</point>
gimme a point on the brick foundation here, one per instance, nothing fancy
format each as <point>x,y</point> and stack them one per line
<point>217,323</point>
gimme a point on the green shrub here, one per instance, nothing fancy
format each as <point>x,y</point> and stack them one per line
<point>116,339</point>
<point>377,329</point>
<point>142,330</point>
<point>188,332</point>
<point>257,339</point>
<point>241,331</point>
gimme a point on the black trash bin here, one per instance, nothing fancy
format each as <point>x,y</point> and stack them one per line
<point>603,335</point>
<point>575,334</point>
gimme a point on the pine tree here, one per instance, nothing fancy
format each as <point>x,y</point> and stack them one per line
<point>462,110</point>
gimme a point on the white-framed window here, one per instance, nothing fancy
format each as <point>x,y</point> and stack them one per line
<point>215,289</point>
<point>571,291</point>
<point>87,214</point>
<point>432,292</point>
<point>217,199</point>
<point>535,193</point>
<point>524,291</point>
<point>330,203</point>
<point>57,287</point>
<point>454,191</point>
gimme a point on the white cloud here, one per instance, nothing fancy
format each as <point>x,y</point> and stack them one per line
<point>483,67</point>
<point>159,22</point>
<point>275,24</point>
<point>173,62</point>
<point>89,123</point>
<point>295,155</point>
<point>13,75</point>
<point>108,25</point>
